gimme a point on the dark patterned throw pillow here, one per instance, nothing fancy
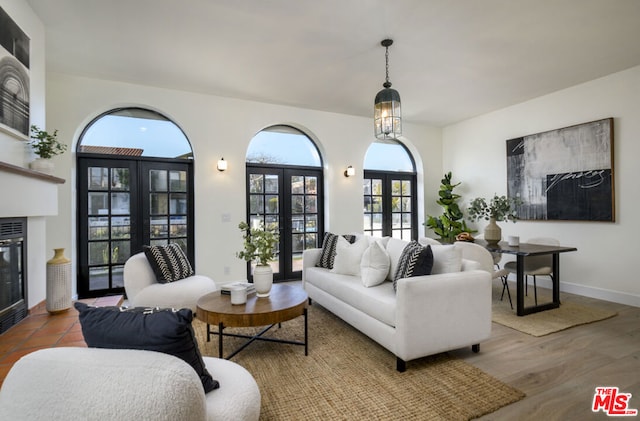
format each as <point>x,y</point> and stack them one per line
<point>169,263</point>
<point>415,260</point>
<point>152,329</point>
<point>328,254</point>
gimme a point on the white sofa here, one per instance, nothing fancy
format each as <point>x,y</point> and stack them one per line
<point>108,384</point>
<point>143,289</point>
<point>425,316</point>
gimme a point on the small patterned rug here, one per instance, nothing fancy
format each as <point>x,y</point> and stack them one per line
<point>347,376</point>
<point>569,314</point>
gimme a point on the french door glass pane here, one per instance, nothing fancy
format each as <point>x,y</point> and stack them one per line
<point>256,183</point>
<point>98,203</point>
<point>120,179</point>
<point>120,204</point>
<point>272,204</point>
<point>297,204</point>
<point>120,227</point>
<point>311,204</point>
<point>158,180</point>
<point>297,184</point>
<point>256,204</point>
<point>99,277</point>
<point>178,181</point>
<point>159,203</point>
<point>271,183</point>
<point>178,203</point>
<point>159,227</point>
<point>98,178</point>
<point>98,228</point>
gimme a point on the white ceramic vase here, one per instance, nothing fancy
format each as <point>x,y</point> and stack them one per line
<point>263,279</point>
<point>492,232</point>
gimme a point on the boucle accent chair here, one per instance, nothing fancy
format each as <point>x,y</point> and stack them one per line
<point>106,384</point>
<point>144,290</point>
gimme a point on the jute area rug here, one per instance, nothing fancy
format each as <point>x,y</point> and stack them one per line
<point>347,376</point>
<point>569,314</point>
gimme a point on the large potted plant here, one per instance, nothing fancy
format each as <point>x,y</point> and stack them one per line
<point>451,222</point>
<point>45,145</point>
<point>259,246</point>
<point>499,208</point>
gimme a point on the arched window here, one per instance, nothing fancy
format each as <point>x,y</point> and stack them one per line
<point>135,188</point>
<point>284,191</point>
<point>390,206</point>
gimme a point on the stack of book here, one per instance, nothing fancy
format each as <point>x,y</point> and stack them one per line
<point>226,288</point>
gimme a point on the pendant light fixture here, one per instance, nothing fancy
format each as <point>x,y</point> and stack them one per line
<point>387,116</point>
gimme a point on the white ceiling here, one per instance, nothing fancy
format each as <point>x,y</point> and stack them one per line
<point>451,59</point>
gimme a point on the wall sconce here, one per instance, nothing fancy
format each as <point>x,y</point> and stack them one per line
<point>349,172</point>
<point>222,164</point>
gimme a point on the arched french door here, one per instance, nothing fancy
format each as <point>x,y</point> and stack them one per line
<point>390,192</point>
<point>284,191</point>
<point>135,188</point>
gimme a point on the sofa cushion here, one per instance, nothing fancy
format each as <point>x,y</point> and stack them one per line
<point>378,302</point>
<point>374,266</point>
<point>169,262</point>
<point>162,330</point>
<point>348,256</point>
<point>328,254</point>
<point>446,258</point>
<point>416,260</point>
<point>395,247</point>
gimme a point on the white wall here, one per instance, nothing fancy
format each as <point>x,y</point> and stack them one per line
<point>220,127</point>
<point>14,150</point>
<point>475,151</point>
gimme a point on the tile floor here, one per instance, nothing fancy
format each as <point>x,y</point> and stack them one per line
<point>43,330</point>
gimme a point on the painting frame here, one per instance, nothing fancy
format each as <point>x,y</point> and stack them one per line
<point>564,174</point>
<point>15,100</point>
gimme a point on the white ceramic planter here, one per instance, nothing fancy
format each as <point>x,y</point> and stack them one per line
<point>263,279</point>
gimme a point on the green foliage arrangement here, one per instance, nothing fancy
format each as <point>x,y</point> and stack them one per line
<point>502,208</point>
<point>44,144</point>
<point>259,244</point>
<point>451,222</point>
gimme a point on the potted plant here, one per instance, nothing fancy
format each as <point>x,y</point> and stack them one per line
<point>451,222</point>
<point>45,145</point>
<point>499,208</point>
<point>259,246</point>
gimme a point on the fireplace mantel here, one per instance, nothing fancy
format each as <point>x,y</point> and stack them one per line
<point>4,166</point>
<point>27,192</point>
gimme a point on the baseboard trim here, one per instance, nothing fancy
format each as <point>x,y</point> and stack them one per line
<point>591,292</point>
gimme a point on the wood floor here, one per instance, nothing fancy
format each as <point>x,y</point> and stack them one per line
<point>559,372</point>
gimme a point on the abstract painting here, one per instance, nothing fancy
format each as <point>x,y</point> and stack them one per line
<point>564,174</point>
<point>14,77</point>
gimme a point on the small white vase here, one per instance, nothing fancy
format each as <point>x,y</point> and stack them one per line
<point>42,165</point>
<point>492,232</point>
<point>263,279</point>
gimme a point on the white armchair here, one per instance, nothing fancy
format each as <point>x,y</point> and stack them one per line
<point>143,289</point>
<point>84,384</point>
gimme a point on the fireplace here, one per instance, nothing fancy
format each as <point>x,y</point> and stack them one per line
<point>13,279</point>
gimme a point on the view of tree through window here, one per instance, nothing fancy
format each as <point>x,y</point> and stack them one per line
<point>283,145</point>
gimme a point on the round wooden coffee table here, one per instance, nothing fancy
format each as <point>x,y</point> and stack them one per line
<point>285,302</point>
